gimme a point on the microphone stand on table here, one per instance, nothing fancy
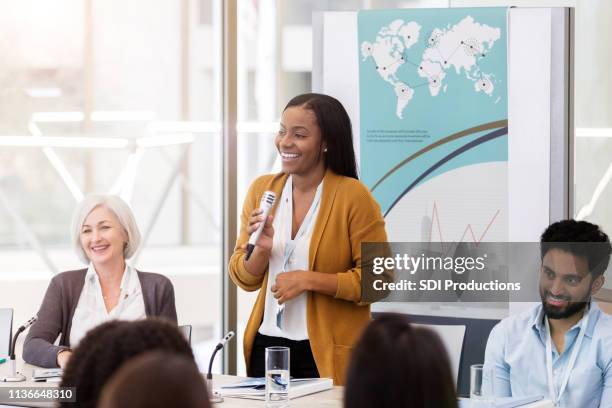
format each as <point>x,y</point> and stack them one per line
<point>215,396</point>
<point>14,376</point>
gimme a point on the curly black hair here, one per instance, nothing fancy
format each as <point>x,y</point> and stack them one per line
<point>156,379</point>
<point>579,238</point>
<point>106,347</point>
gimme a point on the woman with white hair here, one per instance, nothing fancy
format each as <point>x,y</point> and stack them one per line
<point>105,234</point>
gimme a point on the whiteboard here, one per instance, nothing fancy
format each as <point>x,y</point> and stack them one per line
<point>539,110</point>
<point>452,338</point>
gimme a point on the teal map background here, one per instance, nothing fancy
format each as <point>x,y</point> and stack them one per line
<point>427,119</point>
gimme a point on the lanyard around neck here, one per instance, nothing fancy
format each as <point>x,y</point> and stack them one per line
<point>556,398</point>
<point>290,244</point>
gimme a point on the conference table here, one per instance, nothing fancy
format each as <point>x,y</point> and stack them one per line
<point>326,399</point>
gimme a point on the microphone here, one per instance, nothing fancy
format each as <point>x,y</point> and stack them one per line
<point>215,397</point>
<point>267,201</point>
<point>224,340</point>
<point>14,375</point>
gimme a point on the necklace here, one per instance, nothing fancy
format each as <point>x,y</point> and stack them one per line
<point>108,296</point>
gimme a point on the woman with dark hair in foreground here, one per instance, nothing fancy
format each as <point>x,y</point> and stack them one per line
<point>396,365</point>
<point>156,380</point>
<point>106,347</point>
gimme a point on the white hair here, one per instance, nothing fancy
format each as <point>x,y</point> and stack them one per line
<point>115,205</point>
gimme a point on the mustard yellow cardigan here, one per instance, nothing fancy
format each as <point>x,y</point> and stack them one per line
<point>348,215</point>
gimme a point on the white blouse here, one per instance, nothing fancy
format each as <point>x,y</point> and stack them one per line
<point>294,325</point>
<point>90,310</point>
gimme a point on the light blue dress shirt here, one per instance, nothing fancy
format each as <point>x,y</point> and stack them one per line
<point>516,354</point>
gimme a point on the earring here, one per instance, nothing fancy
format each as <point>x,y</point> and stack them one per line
<point>325,150</point>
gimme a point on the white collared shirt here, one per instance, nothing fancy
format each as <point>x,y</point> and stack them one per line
<point>91,311</point>
<point>294,325</point>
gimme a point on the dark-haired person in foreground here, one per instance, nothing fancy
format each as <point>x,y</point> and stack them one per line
<point>108,346</point>
<point>396,365</point>
<point>156,380</point>
<point>307,261</point>
<point>562,348</point>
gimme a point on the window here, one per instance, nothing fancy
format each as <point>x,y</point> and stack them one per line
<point>133,90</point>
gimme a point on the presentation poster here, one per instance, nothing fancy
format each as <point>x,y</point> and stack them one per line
<point>434,121</point>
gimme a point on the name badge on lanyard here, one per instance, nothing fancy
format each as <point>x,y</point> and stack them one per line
<point>556,396</point>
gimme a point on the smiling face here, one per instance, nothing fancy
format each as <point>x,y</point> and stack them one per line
<point>102,236</point>
<point>299,142</point>
<point>566,284</point>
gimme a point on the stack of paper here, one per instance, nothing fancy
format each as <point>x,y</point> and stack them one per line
<point>255,388</point>
<point>47,374</point>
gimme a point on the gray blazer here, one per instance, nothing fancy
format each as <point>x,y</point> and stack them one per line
<point>60,301</point>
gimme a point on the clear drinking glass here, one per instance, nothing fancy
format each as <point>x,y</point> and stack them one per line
<point>481,387</point>
<point>277,377</point>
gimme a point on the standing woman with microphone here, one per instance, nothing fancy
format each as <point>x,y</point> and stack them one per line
<point>307,260</point>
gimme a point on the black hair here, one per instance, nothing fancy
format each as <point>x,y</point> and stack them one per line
<point>395,364</point>
<point>106,347</point>
<point>156,379</point>
<point>336,131</point>
<point>579,238</point>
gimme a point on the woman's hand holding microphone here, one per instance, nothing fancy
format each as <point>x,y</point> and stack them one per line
<point>287,285</point>
<point>264,243</point>
<point>258,252</point>
<point>260,232</point>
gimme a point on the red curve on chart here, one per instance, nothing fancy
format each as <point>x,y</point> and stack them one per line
<point>435,218</point>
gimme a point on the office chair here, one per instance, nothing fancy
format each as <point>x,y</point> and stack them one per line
<point>474,342</point>
<point>186,330</point>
